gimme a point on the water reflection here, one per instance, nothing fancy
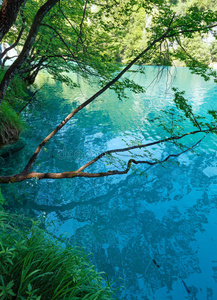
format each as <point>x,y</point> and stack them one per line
<point>156,231</point>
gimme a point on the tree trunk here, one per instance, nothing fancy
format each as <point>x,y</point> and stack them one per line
<point>14,68</point>
<point>8,15</point>
<point>29,77</point>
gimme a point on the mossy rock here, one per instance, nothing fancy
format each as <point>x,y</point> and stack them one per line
<point>10,149</point>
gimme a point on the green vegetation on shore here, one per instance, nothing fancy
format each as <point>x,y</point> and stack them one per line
<point>10,120</point>
<point>34,265</point>
<point>10,125</point>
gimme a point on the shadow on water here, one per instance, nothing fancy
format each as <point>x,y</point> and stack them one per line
<point>154,231</point>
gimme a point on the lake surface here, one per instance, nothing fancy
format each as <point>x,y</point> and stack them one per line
<point>154,229</point>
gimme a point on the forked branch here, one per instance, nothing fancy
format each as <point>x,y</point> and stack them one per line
<point>173,138</point>
<point>72,174</point>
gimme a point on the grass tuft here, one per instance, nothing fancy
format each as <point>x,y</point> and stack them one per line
<point>34,265</point>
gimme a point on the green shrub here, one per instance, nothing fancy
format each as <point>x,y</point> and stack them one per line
<point>16,92</point>
<point>14,99</point>
<point>33,265</point>
<point>10,124</point>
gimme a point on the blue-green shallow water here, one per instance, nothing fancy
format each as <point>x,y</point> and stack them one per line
<point>168,214</point>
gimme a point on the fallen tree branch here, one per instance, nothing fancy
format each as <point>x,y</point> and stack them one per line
<point>139,147</point>
<point>72,174</point>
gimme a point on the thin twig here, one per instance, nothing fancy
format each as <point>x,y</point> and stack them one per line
<point>72,174</point>
<point>32,97</point>
<point>137,147</point>
<point>82,21</point>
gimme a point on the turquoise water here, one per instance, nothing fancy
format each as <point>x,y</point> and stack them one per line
<point>166,213</point>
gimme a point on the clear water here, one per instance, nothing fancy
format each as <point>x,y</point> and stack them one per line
<point>168,214</point>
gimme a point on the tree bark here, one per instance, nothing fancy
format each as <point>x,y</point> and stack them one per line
<point>8,15</point>
<point>30,77</point>
<point>20,33</point>
<point>14,68</point>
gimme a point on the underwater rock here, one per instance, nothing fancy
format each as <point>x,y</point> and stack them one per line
<point>10,149</point>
